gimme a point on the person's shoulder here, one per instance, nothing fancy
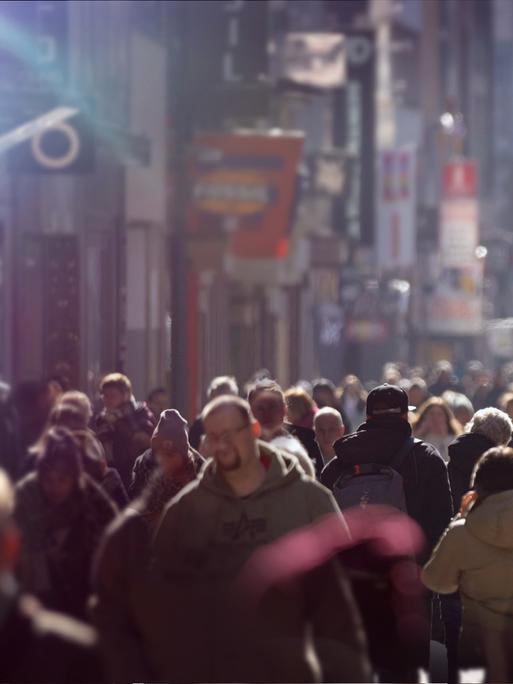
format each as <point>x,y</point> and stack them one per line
<point>457,531</point>
<point>146,457</point>
<point>142,410</point>
<point>26,484</point>
<point>97,498</point>
<point>126,527</point>
<point>427,452</point>
<point>27,490</point>
<point>314,487</point>
<point>188,496</point>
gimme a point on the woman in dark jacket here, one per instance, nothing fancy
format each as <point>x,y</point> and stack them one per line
<point>61,513</point>
<point>489,427</point>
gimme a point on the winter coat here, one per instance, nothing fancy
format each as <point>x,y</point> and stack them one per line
<point>112,485</point>
<point>291,445</point>
<point>464,453</point>
<point>146,464</point>
<point>475,556</point>
<point>58,542</point>
<point>206,536</point>
<point>307,438</point>
<point>426,484</point>
<point>41,646</point>
<point>125,433</point>
<point>124,599</point>
<point>196,432</point>
<point>10,451</point>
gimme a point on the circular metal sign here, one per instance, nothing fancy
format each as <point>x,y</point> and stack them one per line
<point>57,162</point>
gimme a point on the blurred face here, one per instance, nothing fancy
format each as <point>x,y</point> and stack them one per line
<point>269,409</point>
<point>437,420</point>
<point>229,439</point>
<point>159,403</point>
<point>172,463</point>
<point>57,485</point>
<point>416,395</point>
<point>462,415</point>
<point>113,398</point>
<point>327,430</point>
<point>353,389</point>
<point>324,397</point>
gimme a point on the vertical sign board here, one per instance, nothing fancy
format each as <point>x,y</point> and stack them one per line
<point>396,209</point>
<point>358,122</point>
<point>455,305</point>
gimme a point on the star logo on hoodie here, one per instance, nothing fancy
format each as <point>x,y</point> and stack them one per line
<point>244,527</point>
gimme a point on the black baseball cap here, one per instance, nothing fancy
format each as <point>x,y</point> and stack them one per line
<point>385,400</point>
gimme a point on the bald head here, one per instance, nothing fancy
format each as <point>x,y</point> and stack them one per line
<point>329,427</point>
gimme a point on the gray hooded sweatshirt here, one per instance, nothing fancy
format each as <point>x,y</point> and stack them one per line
<point>208,630</point>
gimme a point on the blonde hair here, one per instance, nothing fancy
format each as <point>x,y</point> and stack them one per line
<point>78,400</point>
<point>299,404</point>
<point>118,381</point>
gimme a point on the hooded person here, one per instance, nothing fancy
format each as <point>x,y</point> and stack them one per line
<point>61,514</point>
<point>385,439</point>
<point>124,597</point>
<point>169,442</point>
<point>248,494</point>
<point>95,465</point>
<point>37,645</point>
<point>475,556</point>
<point>378,440</point>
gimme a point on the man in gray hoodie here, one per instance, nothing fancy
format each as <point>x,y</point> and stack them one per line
<point>206,627</point>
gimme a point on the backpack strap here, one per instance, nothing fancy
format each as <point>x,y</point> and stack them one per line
<point>403,452</point>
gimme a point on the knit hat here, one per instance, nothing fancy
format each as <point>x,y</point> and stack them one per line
<point>172,427</point>
<point>59,450</point>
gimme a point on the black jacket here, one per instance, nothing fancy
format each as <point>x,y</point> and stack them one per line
<point>426,483</point>
<point>464,453</point>
<point>38,645</point>
<point>146,464</point>
<point>307,438</point>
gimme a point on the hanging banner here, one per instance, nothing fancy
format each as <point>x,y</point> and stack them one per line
<point>245,185</point>
<point>396,209</point>
<point>459,229</point>
<point>455,305</point>
<point>358,131</point>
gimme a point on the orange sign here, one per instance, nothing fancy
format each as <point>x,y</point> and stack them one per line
<point>245,184</point>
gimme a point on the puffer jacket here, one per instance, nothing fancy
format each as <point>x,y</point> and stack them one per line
<point>464,453</point>
<point>475,556</point>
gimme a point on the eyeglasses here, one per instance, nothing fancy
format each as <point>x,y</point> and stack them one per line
<point>226,436</point>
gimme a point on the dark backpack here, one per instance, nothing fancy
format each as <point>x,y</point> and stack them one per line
<point>369,484</point>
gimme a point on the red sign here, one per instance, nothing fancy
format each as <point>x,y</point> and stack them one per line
<point>245,184</point>
<point>460,179</point>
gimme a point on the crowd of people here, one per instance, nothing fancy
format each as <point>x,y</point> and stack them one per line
<point>310,533</point>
